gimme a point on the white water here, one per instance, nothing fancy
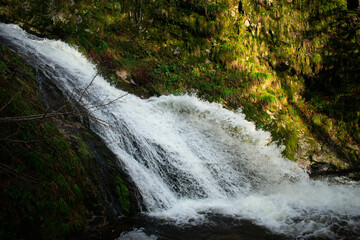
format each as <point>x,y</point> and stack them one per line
<point>136,234</point>
<point>190,158</point>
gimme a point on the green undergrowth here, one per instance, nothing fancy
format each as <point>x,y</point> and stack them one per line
<point>280,61</point>
<point>44,182</point>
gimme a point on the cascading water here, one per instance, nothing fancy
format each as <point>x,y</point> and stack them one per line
<point>191,158</point>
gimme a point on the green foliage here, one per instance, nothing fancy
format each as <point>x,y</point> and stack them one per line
<point>261,59</point>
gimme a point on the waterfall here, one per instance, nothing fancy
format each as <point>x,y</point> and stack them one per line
<point>190,158</point>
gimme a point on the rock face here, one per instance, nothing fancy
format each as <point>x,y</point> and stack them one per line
<point>320,168</point>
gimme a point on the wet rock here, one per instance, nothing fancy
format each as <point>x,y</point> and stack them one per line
<point>320,168</point>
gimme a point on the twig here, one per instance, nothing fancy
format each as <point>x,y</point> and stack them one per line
<point>32,117</point>
<point>57,112</point>
<point>19,141</point>
<point>13,134</point>
<point>18,174</point>
<point>108,103</point>
<point>100,120</point>
<point>82,94</point>
<point>11,99</point>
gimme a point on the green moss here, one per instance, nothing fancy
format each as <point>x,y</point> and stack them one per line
<point>84,151</point>
<point>123,193</point>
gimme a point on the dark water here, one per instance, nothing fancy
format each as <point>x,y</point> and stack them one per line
<point>219,227</point>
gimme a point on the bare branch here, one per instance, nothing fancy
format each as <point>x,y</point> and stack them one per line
<point>111,102</point>
<point>101,121</point>
<point>11,99</point>
<point>47,114</point>
<point>82,94</point>
<point>19,141</point>
<point>12,134</point>
<point>108,103</point>
<point>23,176</point>
<point>32,117</point>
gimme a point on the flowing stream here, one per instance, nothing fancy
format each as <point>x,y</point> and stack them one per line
<point>192,159</point>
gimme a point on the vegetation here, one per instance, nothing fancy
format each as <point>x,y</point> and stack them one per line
<point>292,66</point>
<point>48,187</point>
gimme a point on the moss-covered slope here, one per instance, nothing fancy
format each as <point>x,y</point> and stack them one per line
<point>57,178</point>
<point>291,65</point>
